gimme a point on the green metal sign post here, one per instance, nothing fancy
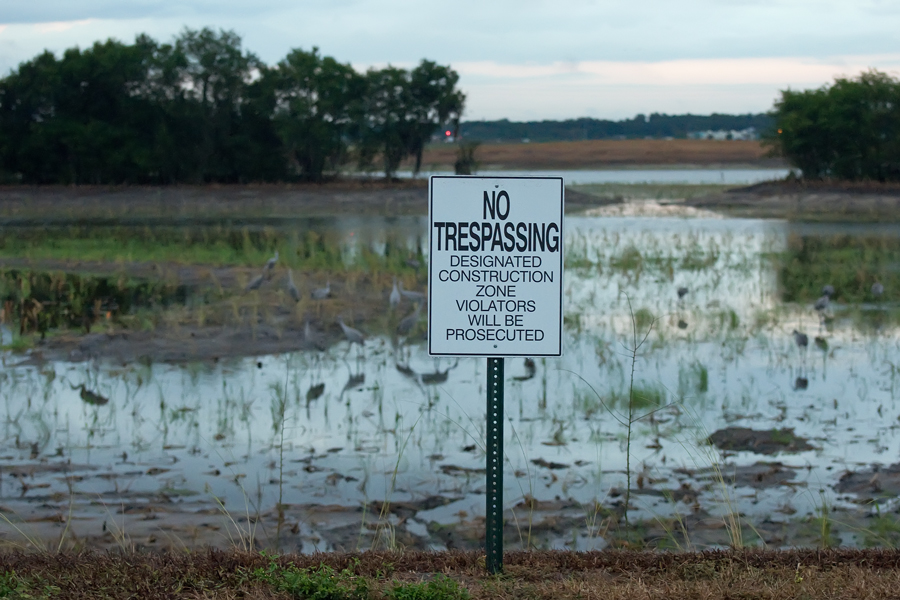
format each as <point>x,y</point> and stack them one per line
<point>494,492</point>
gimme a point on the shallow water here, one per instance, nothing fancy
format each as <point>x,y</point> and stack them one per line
<point>392,423</point>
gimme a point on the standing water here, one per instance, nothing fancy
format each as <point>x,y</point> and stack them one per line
<point>680,381</point>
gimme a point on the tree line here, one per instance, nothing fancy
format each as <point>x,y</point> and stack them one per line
<point>849,130</point>
<point>201,109</point>
<point>641,126</point>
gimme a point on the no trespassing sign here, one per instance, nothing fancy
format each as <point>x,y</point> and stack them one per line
<point>495,266</point>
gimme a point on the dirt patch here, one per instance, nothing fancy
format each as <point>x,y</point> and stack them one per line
<point>254,323</point>
<point>590,154</point>
<point>214,205</point>
<point>871,483</point>
<point>123,205</point>
<point>743,439</point>
<point>814,201</point>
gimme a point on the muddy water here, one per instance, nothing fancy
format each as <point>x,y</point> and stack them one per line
<point>349,427</point>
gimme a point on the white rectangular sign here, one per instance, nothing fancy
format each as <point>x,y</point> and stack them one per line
<point>495,266</point>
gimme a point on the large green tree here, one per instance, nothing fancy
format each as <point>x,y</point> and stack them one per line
<point>79,119</point>
<point>216,81</point>
<point>201,109</point>
<point>403,109</point>
<point>849,130</point>
<point>318,104</point>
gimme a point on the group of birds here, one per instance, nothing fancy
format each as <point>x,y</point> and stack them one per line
<point>354,336</point>
<point>822,304</point>
<point>292,290</point>
<point>823,301</point>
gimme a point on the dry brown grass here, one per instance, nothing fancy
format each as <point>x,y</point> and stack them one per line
<point>836,573</point>
<point>606,153</point>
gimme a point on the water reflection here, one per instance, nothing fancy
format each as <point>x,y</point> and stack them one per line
<point>337,428</point>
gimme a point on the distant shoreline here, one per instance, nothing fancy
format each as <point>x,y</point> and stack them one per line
<point>608,154</point>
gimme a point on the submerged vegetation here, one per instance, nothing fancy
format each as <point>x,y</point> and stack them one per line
<point>851,263</point>
<point>304,439</point>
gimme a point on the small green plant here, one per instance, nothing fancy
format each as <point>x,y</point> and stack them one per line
<point>323,583</point>
<point>19,344</point>
<point>439,588</point>
<point>13,586</point>
<point>466,163</point>
<point>629,260</point>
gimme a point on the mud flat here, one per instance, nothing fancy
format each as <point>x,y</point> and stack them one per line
<point>594,154</point>
<point>812,201</point>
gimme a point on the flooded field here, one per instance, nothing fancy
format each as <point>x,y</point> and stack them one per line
<point>700,387</point>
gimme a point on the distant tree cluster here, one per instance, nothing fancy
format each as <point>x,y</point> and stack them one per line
<point>641,126</point>
<point>201,109</point>
<point>849,130</point>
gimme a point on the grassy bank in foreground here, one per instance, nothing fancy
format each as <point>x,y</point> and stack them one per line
<point>835,573</point>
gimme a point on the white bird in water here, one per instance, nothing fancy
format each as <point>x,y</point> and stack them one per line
<point>394,298</point>
<point>354,336</point>
<point>321,293</point>
<point>270,264</point>
<point>292,287</point>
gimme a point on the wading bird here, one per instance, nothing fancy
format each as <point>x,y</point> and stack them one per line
<point>877,289</point>
<point>321,293</point>
<point>394,298</point>
<point>409,322</point>
<point>822,303</point>
<point>411,295</point>
<point>682,292</point>
<point>90,397</point>
<point>270,264</point>
<point>801,339</point>
<point>292,287</point>
<point>354,336</point>
<point>312,338</point>
<point>256,282</point>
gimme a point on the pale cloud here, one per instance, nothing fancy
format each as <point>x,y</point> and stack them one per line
<point>521,58</point>
<point>58,26</point>
<point>736,71</point>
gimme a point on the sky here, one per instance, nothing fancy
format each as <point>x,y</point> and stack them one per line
<point>522,59</point>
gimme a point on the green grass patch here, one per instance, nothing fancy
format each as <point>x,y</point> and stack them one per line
<point>439,588</point>
<point>323,583</point>
<point>850,263</point>
<point>647,397</point>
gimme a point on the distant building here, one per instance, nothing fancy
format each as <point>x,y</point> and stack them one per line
<point>750,133</point>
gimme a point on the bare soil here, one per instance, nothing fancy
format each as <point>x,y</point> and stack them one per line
<point>597,154</point>
<point>811,201</point>
<point>144,204</point>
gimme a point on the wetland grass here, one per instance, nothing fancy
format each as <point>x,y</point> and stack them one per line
<point>727,329</point>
